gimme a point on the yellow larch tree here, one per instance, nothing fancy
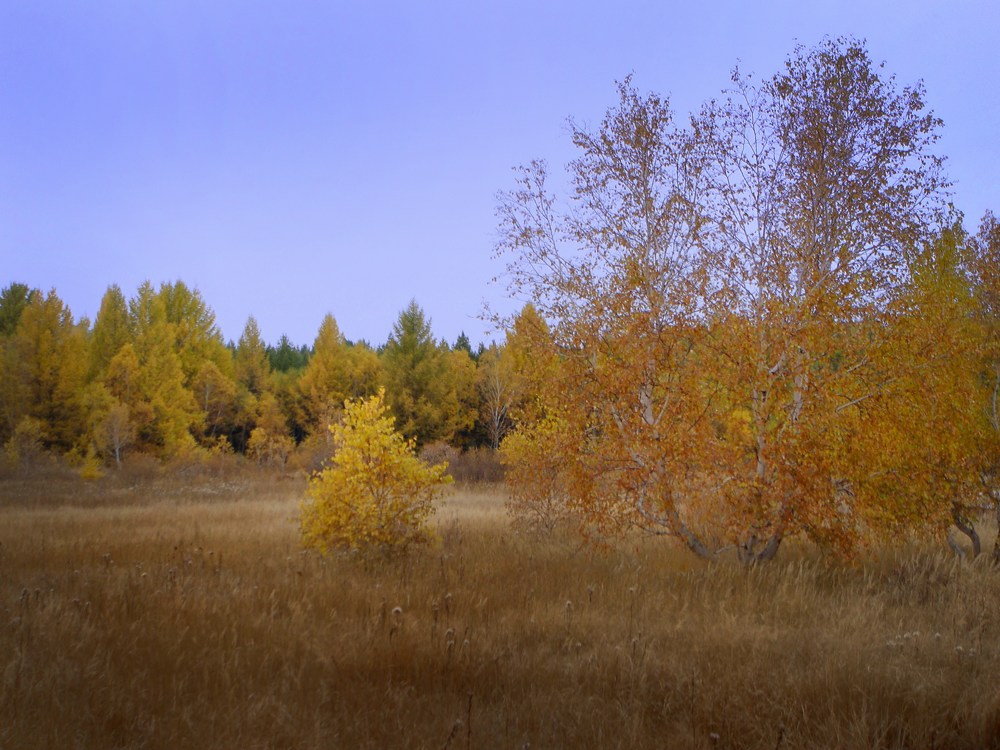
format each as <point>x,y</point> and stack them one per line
<point>173,414</point>
<point>336,372</point>
<point>111,330</point>
<point>253,381</point>
<point>48,370</point>
<point>376,494</point>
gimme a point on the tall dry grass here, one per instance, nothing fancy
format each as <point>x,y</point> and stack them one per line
<point>166,621</point>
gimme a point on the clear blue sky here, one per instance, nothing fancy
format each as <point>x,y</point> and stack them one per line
<point>297,158</point>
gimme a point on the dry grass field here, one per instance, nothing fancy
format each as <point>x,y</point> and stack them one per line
<point>176,614</point>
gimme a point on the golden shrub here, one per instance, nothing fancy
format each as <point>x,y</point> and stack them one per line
<point>376,494</point>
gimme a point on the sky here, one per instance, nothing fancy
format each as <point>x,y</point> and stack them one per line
<point>295,159</point>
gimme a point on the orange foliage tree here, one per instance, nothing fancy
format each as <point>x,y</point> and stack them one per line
<point>722,300</point>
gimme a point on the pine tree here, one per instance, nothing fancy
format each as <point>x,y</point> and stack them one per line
<point>250,363</point>
<point>425,388</point>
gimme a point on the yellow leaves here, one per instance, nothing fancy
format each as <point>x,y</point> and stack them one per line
<point>269,447</point>
<point>739,426</point>
<point>376,495</point>
<point>325,384</point>
<point>534,457</point>
<point>25,446</point>
<point>45,370</point>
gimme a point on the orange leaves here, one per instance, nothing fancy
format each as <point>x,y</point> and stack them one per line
<point>723,303</point>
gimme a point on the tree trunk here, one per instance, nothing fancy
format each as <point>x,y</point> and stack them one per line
<point>969,529</point>
<point>957,548</point>
<point>996,542</point>
<point>749,553</point>
<point>693,542</point>
<point>670,520</point>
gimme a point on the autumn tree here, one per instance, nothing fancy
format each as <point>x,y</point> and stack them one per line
<point>336,371</point>
<point>916,458</point>
<point>822,179</point>
<point>540,443</point>
<point>25,447</point>
<point>270,443</point>
<point>533,362</point>
<point>535,458</point>
<point>122,378</point>
<point>114,431</point>
<point>46,371</point>
<point>118,411</point>
<point>364,370</point>
<point>251,365</point>
<point>495,383</point>
<point>111,330</point>
<point>173,414</point>
<point>717,297</point>
<point>983,262</point>
<point>618,277</point>
<point>375,495</point>
<point>13,299</point>
<point>197,338</point>
<point>323,385</point>
<point>462,391</point>
<point>252,380</point>
<point>215,394</point>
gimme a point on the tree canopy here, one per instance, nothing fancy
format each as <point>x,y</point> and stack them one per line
<point>726,302</point>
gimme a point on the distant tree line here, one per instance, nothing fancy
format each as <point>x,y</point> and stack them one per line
<point>152,374</point>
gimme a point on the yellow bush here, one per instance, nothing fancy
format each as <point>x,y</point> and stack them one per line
<point>375,495</point>
<point>91,467</point>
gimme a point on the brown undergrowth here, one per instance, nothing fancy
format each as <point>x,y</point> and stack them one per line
<point>195,620</point>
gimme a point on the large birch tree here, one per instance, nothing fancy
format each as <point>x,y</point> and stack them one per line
<point>719,297</point>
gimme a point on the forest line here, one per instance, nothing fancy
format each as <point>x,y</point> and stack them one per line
<point>153,375</point>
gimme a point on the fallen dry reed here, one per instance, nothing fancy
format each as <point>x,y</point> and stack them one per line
<point>164,617</point>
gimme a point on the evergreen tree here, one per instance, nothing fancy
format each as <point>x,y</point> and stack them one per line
<point>424,386</point>
<point>462,343</point>
<point>13,300</point>
<point>251,364</point>
<point>285,357</point>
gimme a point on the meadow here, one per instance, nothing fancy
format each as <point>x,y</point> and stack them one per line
<point>183,612</point>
